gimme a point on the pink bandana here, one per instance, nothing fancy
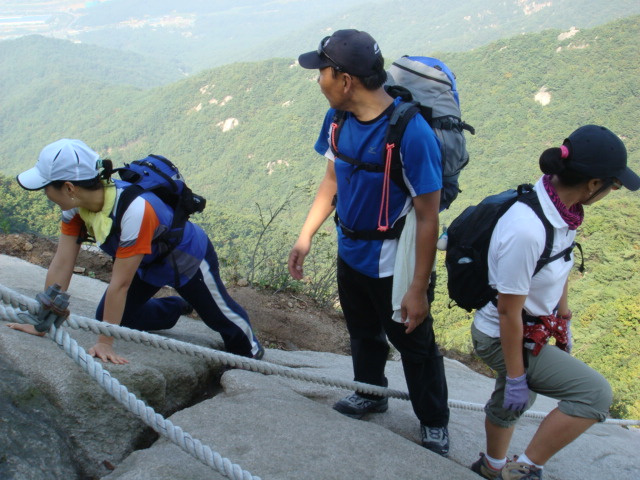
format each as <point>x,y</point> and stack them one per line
<point>574,215</point>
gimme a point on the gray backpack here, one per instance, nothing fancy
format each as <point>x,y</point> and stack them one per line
<point>431,84</point>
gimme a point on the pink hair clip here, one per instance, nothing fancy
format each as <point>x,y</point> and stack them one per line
<point>564,151</point>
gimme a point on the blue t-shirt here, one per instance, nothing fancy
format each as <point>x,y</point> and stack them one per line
<point>360,191</point>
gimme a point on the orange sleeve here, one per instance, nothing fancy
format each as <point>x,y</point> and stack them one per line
<point>148,227</point>
<point>72,227</point>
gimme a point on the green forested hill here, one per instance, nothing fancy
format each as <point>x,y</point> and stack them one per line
<point>28,58</point>
<point>276,105</point>
<point>21,212</point>
<point>591,76</point>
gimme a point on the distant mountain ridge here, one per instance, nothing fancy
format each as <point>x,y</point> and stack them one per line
<point>194,35</point>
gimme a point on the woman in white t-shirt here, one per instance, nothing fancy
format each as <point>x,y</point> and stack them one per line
<point>511,335</point>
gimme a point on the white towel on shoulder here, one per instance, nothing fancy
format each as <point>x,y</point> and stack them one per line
<point>404,265</point>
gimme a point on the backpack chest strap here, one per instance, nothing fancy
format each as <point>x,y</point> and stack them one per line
<point>399,117</point>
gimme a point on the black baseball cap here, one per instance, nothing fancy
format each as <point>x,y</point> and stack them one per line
<point>350,51</point>
<point>598,153</point>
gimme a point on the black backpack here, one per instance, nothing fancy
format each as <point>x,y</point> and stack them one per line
<point>468,246</point>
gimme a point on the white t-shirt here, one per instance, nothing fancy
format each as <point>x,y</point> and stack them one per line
<point>516,245</point>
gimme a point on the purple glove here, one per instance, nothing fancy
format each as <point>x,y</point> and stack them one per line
<point>516,393</point>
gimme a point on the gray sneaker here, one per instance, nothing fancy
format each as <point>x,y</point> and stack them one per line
<point>482,468</point>
<point>355,406</point>
<point>435,439</point>
<point>515,470</point>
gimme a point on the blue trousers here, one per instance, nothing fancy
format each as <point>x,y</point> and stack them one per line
<point>209,298</point>
<point>366,304</point>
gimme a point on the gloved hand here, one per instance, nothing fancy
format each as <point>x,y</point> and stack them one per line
<point>516,393</point>
<point>53,308</point>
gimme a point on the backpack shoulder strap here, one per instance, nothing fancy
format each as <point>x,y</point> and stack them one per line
<point>128,195</point>
<point>529,197</point>
<point>398,122</point>
<point>334,136</point>
<point>336,127</point>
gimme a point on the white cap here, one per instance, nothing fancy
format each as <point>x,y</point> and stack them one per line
<point>66,160</point>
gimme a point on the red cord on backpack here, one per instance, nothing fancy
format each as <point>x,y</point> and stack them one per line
<point>384,202</point>
<point>334,128</point>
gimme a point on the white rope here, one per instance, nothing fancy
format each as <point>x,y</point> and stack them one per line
<point>259,366</point>
<point>219,357</point>
<point>119,392</point>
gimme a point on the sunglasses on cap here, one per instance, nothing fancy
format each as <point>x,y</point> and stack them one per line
<point>322,52</point>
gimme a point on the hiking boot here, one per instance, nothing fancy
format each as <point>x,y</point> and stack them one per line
<point>482,468</point>
<point>355,406</point>
<point>435,439</point>
<point>260,353</point>
<point>515,470</point>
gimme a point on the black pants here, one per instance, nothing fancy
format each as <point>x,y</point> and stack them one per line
<point>366,304</point>
<point>209,298</point>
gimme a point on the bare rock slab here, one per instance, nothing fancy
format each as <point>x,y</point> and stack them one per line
<point>274,427</point>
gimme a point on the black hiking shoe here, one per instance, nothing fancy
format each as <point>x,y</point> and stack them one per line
<point>435,439</point>
<point>355,406</point>
<point>260,353</point>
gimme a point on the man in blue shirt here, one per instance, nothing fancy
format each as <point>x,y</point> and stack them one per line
<point>370,212</point>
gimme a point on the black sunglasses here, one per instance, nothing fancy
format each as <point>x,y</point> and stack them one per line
<point>608,183</point>
<point>322,52</point>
